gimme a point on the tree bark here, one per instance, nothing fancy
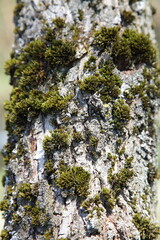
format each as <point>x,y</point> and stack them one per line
<point>81,152</point>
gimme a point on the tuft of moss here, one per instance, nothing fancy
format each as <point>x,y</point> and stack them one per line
<point>19,6</point>
<point>77,137</point>
<point>92,205</point>
<point>74,179</point>
<point>59,139</point>
<point>127,17</point>
<point>80,14</point>
<point>152,173</point>
<point>90,65</point>
<point>119,180</point>
<point>93,142</point>
<point>148,230</point>
<point>60,53</point>
<point>49,167</point>
<point>4,205</point>
<point>106,83</point>
<point>107,198</point>
<point>121,114</point>
<point>48,234</point>
<point>5,235</point>
<point>59,22</point>
<point>25,191</point>
<point>105,37</point>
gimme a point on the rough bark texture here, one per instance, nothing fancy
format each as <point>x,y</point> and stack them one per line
<point>81,152</point>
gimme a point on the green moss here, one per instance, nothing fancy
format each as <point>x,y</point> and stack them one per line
<point>130,48</point>
<point>152,173</point>
<point>59,139</point>
<point>121,114</point>
<point>25,191</point>
<point>77,137</point>
<point>93,142</point>
<point>75,180</point>
<point>16,218</point>
<point>105,37</point>
<point>53,101</point>
<point>48,234</point>
<point>59,23</point>
<point>19,6</point>
<point>90,65</point>
<point>119,180</point>
<point>127,17</point>
<point>107,198</point>
<point>4,205</point>
<point>106,84</point>
<point>81,14</point>
<point>49,167</point>
<point>5,235</point>
<point>60,53</point>
<point>148,230</point>
<point>92,205</point>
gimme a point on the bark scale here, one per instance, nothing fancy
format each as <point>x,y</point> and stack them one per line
<point>81,153</point>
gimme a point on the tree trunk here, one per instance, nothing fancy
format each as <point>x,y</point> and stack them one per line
<point>81,152</point>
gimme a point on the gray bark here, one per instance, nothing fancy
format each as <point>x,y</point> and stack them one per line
<point>85,170</point>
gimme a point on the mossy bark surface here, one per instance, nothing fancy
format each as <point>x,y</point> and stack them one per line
<point>81,153</point>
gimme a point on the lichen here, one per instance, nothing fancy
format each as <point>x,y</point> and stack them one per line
<point>75,180</point>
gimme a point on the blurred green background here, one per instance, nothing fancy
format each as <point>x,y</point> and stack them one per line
<point>6,42</point>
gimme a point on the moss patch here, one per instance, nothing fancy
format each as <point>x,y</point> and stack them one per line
<point>121,114</point>
<point>148,230</point>
<point>75,180</point>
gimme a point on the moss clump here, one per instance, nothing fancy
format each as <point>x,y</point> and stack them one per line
<point>19,6</point>
<point>90,65</point>
<point>152,172</point>
<point>49,167</point>
<point>80,14</point>
<point>133,1</point>
<point>107,198</point>
<point>5,235</point>
<point>119,180</point>
<point>93,142</point>
<point>77,137</point>
<point>126,49</point>
<point>59,23</point>
<point>127,17</point>
<point>48,234</point>
<point>92,205</point>
<point>60,53</point>
<point>105,37</point>
<point>16,218</point>
<point>121,114</point>
<point>59,139</point>
<point>75,180</point>
<point>106,83</point>
<point>4,205</point>
<point>25,191</point>
<point>148,230</point>
<point>28,105</point>
<point>142,50</point>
